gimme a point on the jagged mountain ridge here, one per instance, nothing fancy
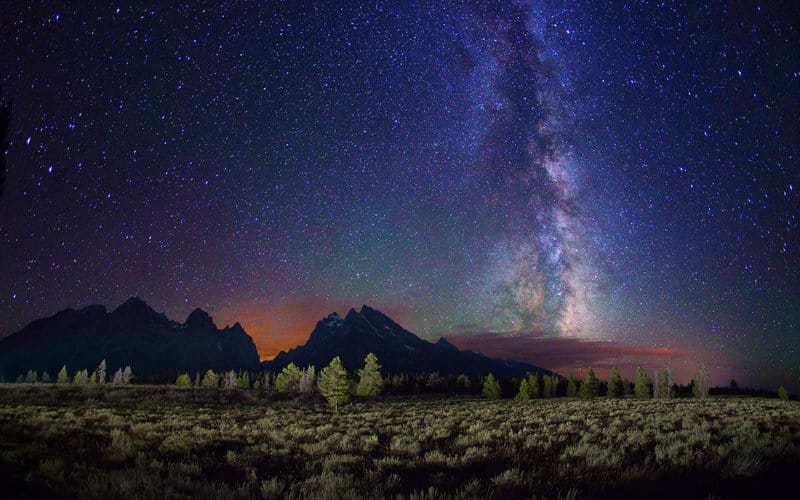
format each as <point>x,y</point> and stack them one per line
<point>132,334</point>
<point>399,351</point>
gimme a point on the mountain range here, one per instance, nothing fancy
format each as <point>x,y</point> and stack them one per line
<point>154,346</point>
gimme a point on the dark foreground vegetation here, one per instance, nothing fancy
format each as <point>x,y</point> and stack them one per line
<point>165,441</point>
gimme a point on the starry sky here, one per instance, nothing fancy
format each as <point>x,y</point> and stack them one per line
<point>566,183</point>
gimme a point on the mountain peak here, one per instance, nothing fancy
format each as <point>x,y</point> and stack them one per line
<point>135,311</point>
<point>333,321</point>
<point>200,320</point>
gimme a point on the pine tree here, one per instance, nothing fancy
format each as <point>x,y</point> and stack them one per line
<point>662,387</point>
<point>614,383</point>
<point>288,380</point>
<point>534,386</point>
<point>370,382</point>
<point>31,377</point>
<point>93,378</point>
<point>463,383</point>
<point>334,384</point>
<point>491,387</point>
<point>101,372</point>
<point>197,379</point>
<point>589,387</point>
<point>183,380</point>
<point>783,394</point>
<point>572,389</point>
<point>244,380</point>
<point>642,386</point>
<point>210,379</point>
<point>117,378</point>
<point>524,393</point>
<point>63,376</point>
<point>127,375</point>
<point>701,383</point>
<point>45,377</point>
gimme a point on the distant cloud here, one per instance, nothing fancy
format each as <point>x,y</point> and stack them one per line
<point>563,354</point>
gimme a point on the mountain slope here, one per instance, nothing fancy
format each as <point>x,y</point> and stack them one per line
<point>132,334</point>
<point>399,351</point>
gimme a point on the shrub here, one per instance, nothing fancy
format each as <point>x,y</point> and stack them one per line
<point>491,387</point>
<point>370,382</point>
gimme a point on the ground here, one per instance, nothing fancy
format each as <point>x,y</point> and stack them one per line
<point>150,441</point>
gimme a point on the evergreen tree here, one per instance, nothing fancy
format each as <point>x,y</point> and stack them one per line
<point>662,387</point>
<point>642,386</point>
<point>370,382</point>
<point>590,386</point>
<point>81,377</point>
<point>244,380</point>
<point>572,390</point>
<point>127,375</point>
<point>197,379</point>
<point>534,385</point>
<point>93,378</point>
<point>117,378</point>
<point>334,384</point>
<point>524,393</point>
<point>183,380</point>
<point>101,372</point>
<point>614,383</point>
<point>288,380</point>
<point>491,387</point>
<point>31,377</point>
<point>63,376</point>
<point>782,393</point>
<point>463,383</point>
<point>45,377</point>
<point>210,379</point>
<point>701,383</point>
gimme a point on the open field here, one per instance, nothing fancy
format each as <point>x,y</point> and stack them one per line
<point>144,442</point>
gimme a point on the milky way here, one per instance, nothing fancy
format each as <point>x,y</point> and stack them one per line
<point>613,172</point>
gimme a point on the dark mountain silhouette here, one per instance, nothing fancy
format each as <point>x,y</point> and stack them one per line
<point>132,334</point>
<point>398,350</point>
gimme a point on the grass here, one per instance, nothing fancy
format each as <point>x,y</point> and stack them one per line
<point>145,441</point>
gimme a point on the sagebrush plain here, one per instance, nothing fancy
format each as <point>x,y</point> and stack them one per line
<point>156,442</point>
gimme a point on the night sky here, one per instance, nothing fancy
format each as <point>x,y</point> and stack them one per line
<point>569,184</point>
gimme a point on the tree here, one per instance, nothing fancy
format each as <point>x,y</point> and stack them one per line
<point>93,378</point>
<point>782,394</point>
<point>701,383</point>
<point>101,372</point>
<point>45,377</point>
<point>662,387</point>
<point>229,381</point>
<point>117,378</point>
<point>549,386</point>
<point>642,386</point>
<point>288,380</point>
<point>308,379</point>
<point>734,387</point>
<point>127,375</point>
<point>63,376</point>
<point>183,380</point>
<point>524,393</point>
<point>210,379</point>
<point>491,387</point>
<point>463,383</point>
<point>244,380</point>
<point>334,384</point>
<point>534,385</point>
<point>589,387</point>
<point>370,382</point>
<point>614,383</point>
<point>31,377</point>
<point>81,377</point>
<point>572,390</point>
